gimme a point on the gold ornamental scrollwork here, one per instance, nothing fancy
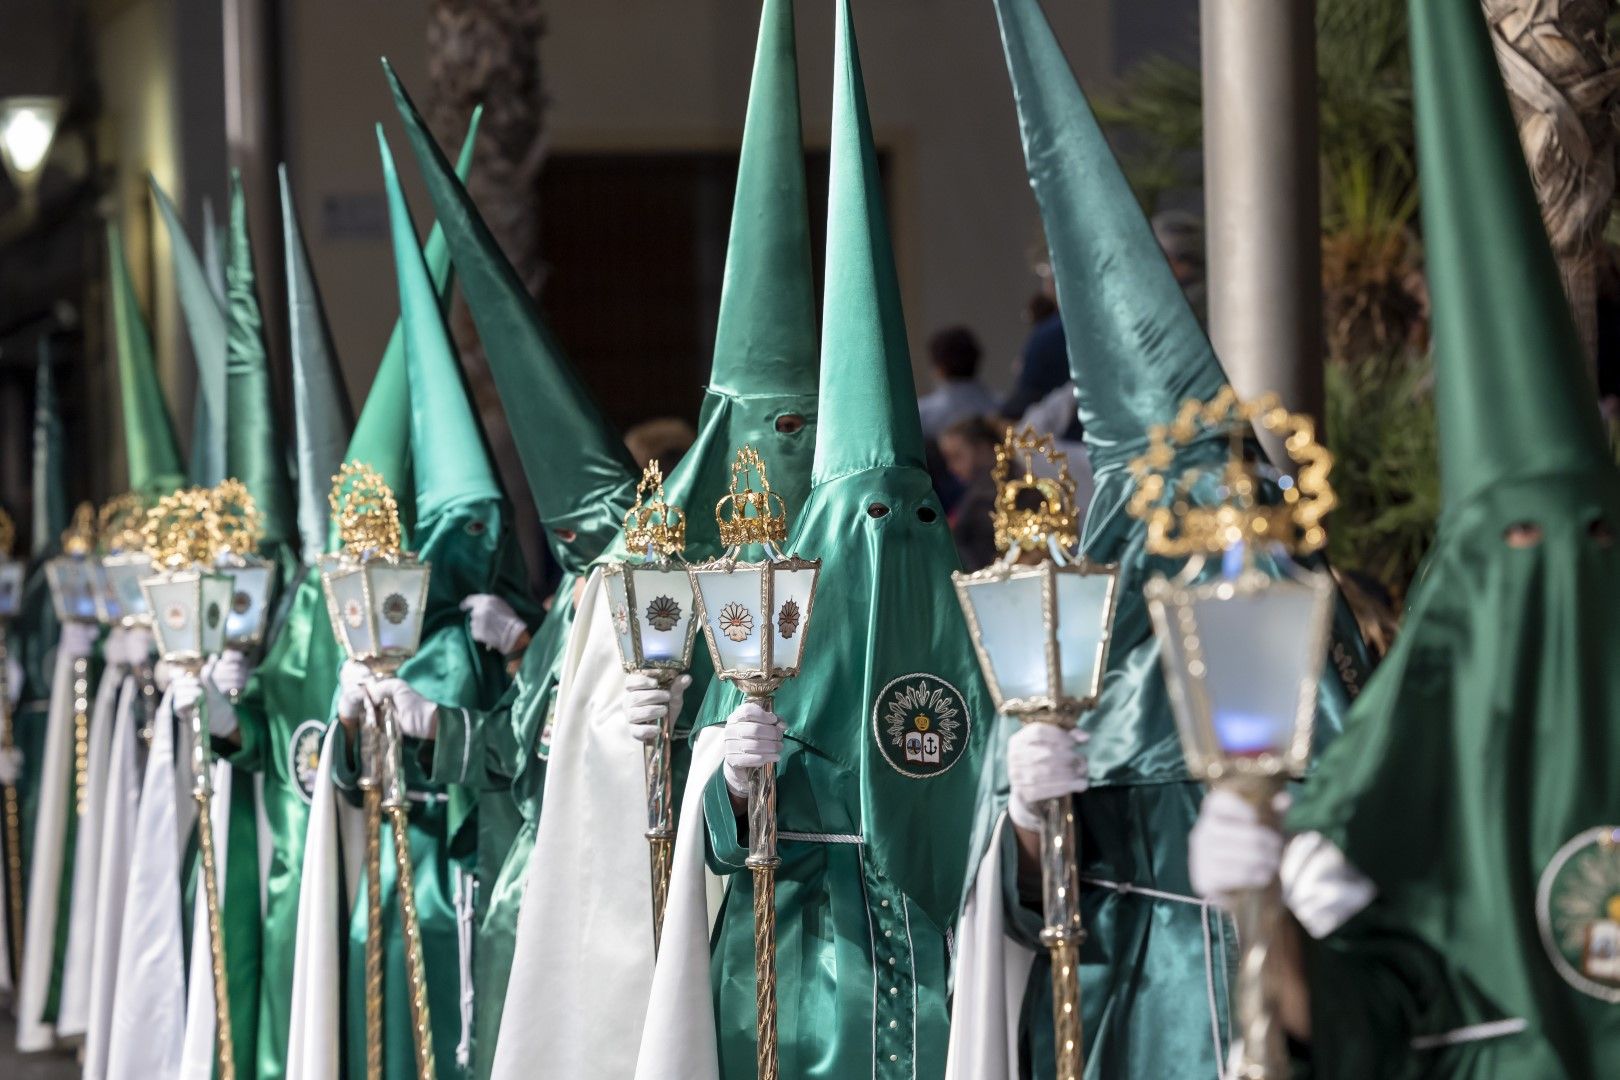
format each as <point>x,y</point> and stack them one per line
<point>236,518</point>
<point>119,521</point>
<point>1033,510</point>
<point>8,534</point>
<point>80,536</point>
<point>652,523</point>
<point>749,515</point>
<point>182,529</point>
<point>366,512</point>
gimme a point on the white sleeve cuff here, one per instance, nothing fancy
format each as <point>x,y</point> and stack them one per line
<point>1320,886</point>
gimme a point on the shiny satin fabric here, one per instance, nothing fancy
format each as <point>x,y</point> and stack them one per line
<point>150,448</point>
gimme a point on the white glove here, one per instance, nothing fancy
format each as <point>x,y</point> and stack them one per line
<point>646,703</point>
<point>494,624</point>
<point>1320,886</point>
<point>138,645</point>
<point>231,671</point>
<point>14,680</point>
<point>418,717</point>
<point>1230,849</point>
<point>78,638</point>
<point>1044,762</point>
<point>163,674</point>
<point>353,678</point>
<point>187,689</point>
<point>117,649</point>
<point>11,762</point>
<point>753,739</point>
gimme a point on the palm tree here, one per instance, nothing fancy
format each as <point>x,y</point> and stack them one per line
<point>1558,60</point>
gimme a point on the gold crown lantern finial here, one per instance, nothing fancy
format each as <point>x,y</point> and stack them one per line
<point>118,523</point>
<point>183,529</point>
<point>654,525</point>
<point>8,534</point>
<point>1032,511</point>
<point>80,537</point>
<point>1177,528</point>
<point>366,512</point>
<point>237,517</point>
<point>748,516</point>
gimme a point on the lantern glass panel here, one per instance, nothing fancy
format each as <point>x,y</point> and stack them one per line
<point>735,624</point>
<point>174,599</point>
<point>214,598</point>
<point>11,588</point>
<point>664,613</point>
<point>618,596</point>
<point>1083,620</point>
<point>346,603</point>
<point>73,588</point>
<point>108,609</point>
<point>791,592</point>
<point>124,574</point>
<point>1007,611</point>
<point>250,601</point>
<point>398,595</point>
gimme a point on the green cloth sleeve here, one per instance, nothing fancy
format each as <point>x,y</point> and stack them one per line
<point>726,851</point>
<point>247,750</point>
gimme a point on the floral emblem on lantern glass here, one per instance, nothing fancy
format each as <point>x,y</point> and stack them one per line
<point>787,620</point>
<point>621,619</point>
<point>175,616</point>
<point>1578,912</point>
<point>663,614</point>
<point>395,608</point>
<point>240,602</point>
<point>736,622</point>
<point>921,724</point>
<point>354,613</point>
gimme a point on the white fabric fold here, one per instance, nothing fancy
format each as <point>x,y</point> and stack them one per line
<point>119,811</point>
<point>315,1035</point>
<point>1320,886</point>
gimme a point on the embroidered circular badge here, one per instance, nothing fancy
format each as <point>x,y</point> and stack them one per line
<point>921,724</point>
<point>1578,909</point>
<point>304,757</point>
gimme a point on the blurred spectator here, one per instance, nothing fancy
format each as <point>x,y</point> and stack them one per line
<point>1044,364</point>
<point>955,354</point>
<point>969,449</point>
<point>665,439</point>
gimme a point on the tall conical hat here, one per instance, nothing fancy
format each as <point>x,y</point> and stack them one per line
<point>206,327</point>
<point>254,451</point>
<point>213,251</point>
<point>323,416</point>
<point>555,418</point>
<point>152,452</point>
<point>449,460</point>
<point>50,458</point>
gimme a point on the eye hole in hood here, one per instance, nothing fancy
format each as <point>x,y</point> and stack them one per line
<point>877,510</point>
<point>1522,534</point>
<point>790,424</point>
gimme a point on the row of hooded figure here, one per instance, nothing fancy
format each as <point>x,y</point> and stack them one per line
<point>1437,925</point>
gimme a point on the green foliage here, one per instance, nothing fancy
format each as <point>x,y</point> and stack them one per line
<point>1156,119</point>
<point>1381,428</point>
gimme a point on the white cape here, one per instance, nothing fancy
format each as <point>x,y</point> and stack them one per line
<point>149,998</point>
<point>45,865</point>
<point>122,803</point>
<point>990,973</point>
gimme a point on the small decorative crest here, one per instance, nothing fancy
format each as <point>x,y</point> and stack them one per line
<point>1177,528</point>
<point>119,521</point>
<point>183,529</point>
<point>747,516</point>
<point>654,525</point>
<point>1032,510</point>
<point>80,537</point>
<point>238,518</point>
<point>366,512</point>
<point>8,534</point>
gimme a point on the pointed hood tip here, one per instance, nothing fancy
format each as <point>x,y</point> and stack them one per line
<point>151,451</point>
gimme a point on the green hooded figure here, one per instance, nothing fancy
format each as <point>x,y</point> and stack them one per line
<point>207,329</point>
<point>1490,948</point>
<point>282,715</point>
<point>464,533</point>
<point>871,826</point>
<point>150,447</point>
<point>1155,966</point>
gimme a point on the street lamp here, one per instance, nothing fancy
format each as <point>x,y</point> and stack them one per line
<point>1041,619</point>
<point>376,594</point>
<point>1242,648</point>
<point>755,618</point>
<point>653,600</point>
<point>27,129</point>
<point>11,588</point>
<point>188,603</point>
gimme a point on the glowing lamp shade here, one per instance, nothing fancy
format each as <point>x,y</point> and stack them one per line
<point>121,577</point>
<point>188,613</point>
<point>654,612</point>
<point>1041,632</point>
<point>376,608</point>
<point>11,587</point>
<point>1242,658</point>
<point>252,581</point>
<point>756,615</point>
<point>74,588</point>
<point>27,129</point>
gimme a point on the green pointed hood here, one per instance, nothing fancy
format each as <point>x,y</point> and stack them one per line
<point>868,395</point>
<point>50,457</point>
<point>204,449</point>
<point>213,251</point>
<point>254,451</point>
<point>322,414</point>
<point>449,460</point>
<point>152,452</point>
<point>555,418</point>
<point>206,327</point>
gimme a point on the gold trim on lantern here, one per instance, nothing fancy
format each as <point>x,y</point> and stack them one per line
<point>8,534</point>
<point>182,529</point>
<point>655,525</point>
<point>366,512</point>
<point>1177,528</point>
<point>80,536</point>
<point>737,525</point>
<point>119,521</point>
<point>237,518</point>
<point>1032,528</point>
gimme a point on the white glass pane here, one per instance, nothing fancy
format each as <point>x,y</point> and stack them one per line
<point>1257,653</point>
<point>175,605</point>
<point>619,611</point>
<point>398,593</point>
<point>664,610</point>
<point>11,585</point>
<point>249,599</point>
<point>790,619</point>
<point>72,587</point>
<point>124,576</point>
<point>348,606</point>
<point>216,607</point>
<point>731,606</point>
<point>1009,617</point>
<point>108,609</point>
<point>1081,600</point>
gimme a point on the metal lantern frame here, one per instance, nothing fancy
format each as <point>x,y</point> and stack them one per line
<point>769,675</point>
<point>370,614</point>
<point>253,584</point>
<point>122,574</point>
<point>199,612</point>
<point>638,660</point>
<point>1172,605</point>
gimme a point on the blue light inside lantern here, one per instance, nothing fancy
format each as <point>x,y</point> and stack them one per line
<point>1247,734</point>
